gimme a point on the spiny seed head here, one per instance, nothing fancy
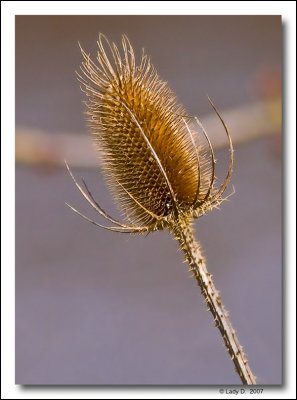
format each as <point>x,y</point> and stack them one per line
<point>146,141</point>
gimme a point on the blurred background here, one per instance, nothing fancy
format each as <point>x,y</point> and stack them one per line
<point>96,307</point>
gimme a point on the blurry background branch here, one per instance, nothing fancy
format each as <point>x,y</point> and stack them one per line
<point>247,122</point>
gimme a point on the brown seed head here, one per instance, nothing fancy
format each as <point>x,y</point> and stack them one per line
<point>151,162</point>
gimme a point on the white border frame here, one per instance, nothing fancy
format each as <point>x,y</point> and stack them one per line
<point>11,8</point>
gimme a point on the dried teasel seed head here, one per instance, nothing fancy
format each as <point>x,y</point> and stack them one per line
<point>152,163</point>
<point>158,173</point>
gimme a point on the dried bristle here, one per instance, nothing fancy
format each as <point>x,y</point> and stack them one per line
<point>149,158</point>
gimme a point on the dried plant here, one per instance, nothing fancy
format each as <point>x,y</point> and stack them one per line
<point>160,177</point>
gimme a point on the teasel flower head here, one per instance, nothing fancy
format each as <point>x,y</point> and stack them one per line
<point>158,161</point>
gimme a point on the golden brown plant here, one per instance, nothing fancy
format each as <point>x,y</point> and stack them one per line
<point>159,176</point>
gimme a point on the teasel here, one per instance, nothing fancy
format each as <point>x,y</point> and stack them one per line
<point>161,178</point>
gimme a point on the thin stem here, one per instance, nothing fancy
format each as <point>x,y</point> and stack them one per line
<point>185,236</point>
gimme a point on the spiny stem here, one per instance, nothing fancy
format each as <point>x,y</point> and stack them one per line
<point>185,235</point>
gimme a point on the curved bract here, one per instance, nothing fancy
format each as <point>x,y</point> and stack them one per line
<point>155,168</point>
